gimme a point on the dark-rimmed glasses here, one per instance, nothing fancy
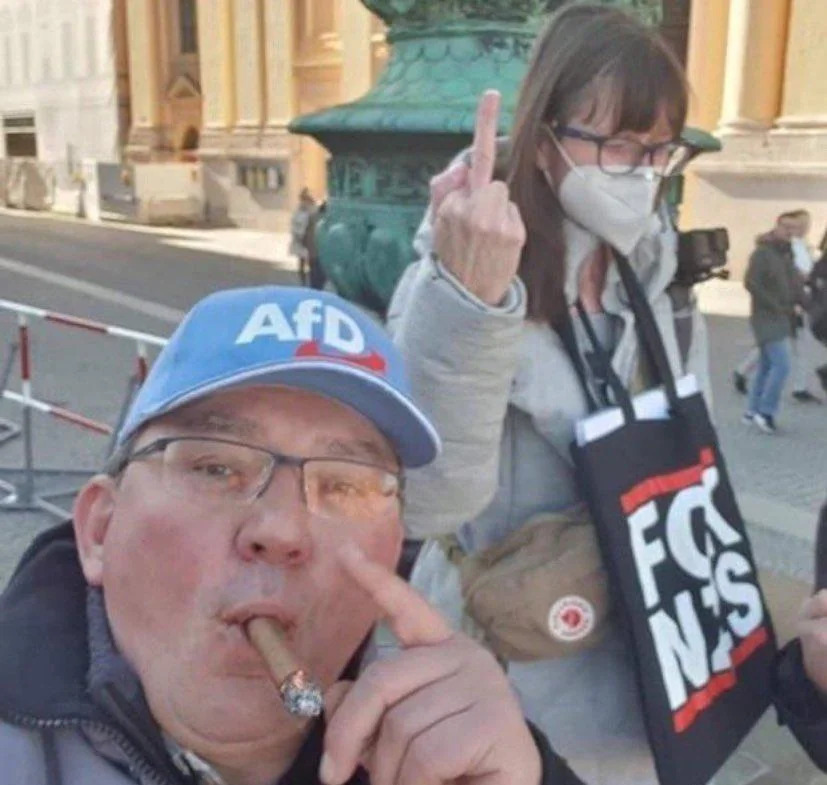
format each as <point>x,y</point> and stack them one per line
<point>215,471</point>
<point>619,156</point>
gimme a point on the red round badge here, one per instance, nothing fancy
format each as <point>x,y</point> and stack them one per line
<point>571,618</point>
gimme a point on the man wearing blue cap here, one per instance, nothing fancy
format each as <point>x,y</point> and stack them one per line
<point>258,476</point>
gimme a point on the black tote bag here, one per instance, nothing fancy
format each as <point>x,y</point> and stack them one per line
<point>677,553</point>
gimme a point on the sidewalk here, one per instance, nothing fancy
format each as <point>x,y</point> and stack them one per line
<point>261,246</point>
<point>780,480</point>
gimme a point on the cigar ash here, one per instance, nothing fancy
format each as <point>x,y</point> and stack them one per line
<point>300,694</point>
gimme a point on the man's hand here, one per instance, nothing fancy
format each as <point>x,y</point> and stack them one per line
<point>440,711</point>
<point>812,629</point>
<point>478,231</point>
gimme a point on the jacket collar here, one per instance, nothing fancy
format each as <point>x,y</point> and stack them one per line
<point>44,654</point>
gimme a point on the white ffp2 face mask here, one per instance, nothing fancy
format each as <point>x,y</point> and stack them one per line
<point>616,208</point>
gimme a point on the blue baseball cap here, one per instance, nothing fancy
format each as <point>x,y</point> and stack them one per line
<point>290,336</point>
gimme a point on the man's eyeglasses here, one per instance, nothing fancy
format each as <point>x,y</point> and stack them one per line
<point>619,156</point>
<point>224,472</point>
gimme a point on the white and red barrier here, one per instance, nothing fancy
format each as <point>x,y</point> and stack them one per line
<point>24,497</point>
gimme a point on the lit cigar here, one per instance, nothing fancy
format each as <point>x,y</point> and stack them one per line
<point>301,696</point>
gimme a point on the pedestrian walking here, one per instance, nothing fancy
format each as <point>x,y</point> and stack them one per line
<point>801,344</point>
<point>517,232</point>
<point>301,224</point>
<point>317,278</point>
<point>817,306</point>
<point>775,288</point>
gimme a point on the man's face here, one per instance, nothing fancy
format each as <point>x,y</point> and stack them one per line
<point>178,573</point>
<point>802,226</point>
<point>785,228</point>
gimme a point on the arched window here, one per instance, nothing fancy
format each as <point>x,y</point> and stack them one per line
<point>188,26</point>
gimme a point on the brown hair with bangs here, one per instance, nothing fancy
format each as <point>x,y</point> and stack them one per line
<point>585,52</point>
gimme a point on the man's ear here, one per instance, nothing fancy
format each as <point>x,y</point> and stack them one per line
<point>92,513</point>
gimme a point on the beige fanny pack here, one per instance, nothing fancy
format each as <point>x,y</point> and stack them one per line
<point>540,593</point>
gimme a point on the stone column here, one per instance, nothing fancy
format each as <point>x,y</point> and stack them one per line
<point>144,78</point>
<point>249,65</point>
<point>706,58</point>
<point>217,61</point>
<point>805,78</point>
<point>754,72</point>
<point>278,54</point>
<point>357,55</point>
<point>705,64</point>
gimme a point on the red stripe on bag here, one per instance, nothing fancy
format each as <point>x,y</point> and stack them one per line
<point>701,700</point>
<point>663,484</point>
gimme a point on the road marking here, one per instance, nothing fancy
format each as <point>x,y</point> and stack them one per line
<point>145,307</point>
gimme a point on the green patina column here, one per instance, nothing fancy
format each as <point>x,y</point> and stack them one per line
<point>387,145</point>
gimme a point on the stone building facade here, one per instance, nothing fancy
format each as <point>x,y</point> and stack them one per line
<point>758,70</point>
<point>257,65</point>
<point>63,91</point>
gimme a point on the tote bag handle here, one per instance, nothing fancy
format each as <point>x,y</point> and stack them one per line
<point>650,337</point>
<point>650,341</point>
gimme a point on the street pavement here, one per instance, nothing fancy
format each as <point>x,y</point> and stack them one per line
<point>144,279</point>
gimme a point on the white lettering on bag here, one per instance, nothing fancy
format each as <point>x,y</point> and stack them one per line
<point>744,596</point>
<point>648,553</point>
<point>716,624</point>
<point>681,649</point>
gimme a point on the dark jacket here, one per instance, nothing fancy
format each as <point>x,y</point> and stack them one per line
<point>775,287</point>
<point>817,301</point>
<point>72,711</point>
<point>800,706</point>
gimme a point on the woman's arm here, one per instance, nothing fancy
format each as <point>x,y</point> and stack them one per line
<point>461,355</point>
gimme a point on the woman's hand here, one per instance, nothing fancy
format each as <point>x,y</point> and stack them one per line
<point>478,232</point>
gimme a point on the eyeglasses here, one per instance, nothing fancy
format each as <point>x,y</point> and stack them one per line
<point>223,472</point>
<point>619,156</point>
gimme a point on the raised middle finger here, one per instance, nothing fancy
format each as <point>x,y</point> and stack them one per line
<point>484,148</point>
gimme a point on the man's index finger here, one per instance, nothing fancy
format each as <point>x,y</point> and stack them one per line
<point>413,620</point>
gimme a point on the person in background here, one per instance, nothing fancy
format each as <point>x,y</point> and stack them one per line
<point>300,222</point>
<point>775,287</point>
<point>801,343</point>
<point>817,305</point>
<point>317,279</point>
<point>516,233</point>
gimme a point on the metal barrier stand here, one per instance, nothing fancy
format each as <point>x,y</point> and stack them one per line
<point>24,495</point>
<point>8,429</point>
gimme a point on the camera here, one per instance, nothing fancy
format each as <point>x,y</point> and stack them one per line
<point>702,253</point>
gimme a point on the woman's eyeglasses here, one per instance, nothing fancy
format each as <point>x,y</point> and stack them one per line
<point>617,155</point>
